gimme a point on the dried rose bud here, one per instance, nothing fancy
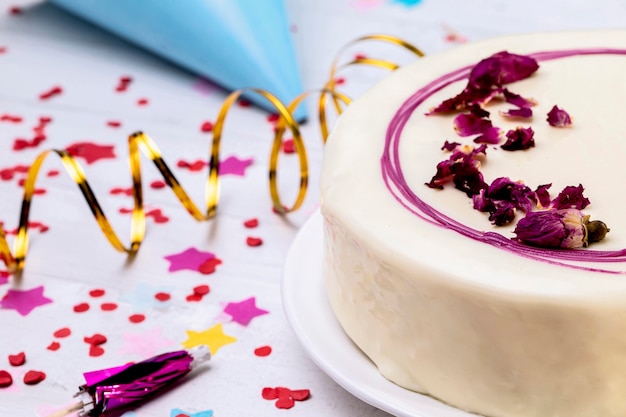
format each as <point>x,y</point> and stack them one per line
<point>565,229</point>
<point>559,117</point>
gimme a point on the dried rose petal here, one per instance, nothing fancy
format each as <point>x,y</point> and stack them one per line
<point>490,136</point>
<point>519,139</point>
<point>559,117</point>
<point>462,170</point>
<point>516,99</point>
<point>520,113</point>
<point>570,197</point>
<point>468,124</point>
<point>543,196</point>
<point>515,192</point>
<point>450,146</point>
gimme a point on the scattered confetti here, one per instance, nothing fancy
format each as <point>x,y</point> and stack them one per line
<point>24,301</point>
<point>95,351</point>
<point>136,318</point>
<point>54,346</point>
<point>206,127</point>
<point>5,379</point>
<point>289,146</point>
<point>10,118</point>
<point>98,292</point>
<point>62,332</point>
<point>18,359</point>
<point>235,166</point>
<point>158,184</point>
<point>52,173</point>
<point>201,290</point>
<point>21,144</point>
<point>162,296</point>
<point>254,241</point>
<point>54,91</point>
<point>15,10</point>
<point>34,377</point>
<point>190,259</point>
<point>114,123</point>
<point>108,306</point>
<point>142,102</point>
<point>145,344</point>
<point>209,266</point>
<point>251,223</point>
<point>242,102</point>
<point>157,215</point>
<point>81,308</point>
<point>213,337</point>
<point>177,412</point>
<point>244,311</point>
<point>263,351</point>
<point>95,340</point>
<point>123,84</point>
<point>91,152</point>
<point>285,397</point>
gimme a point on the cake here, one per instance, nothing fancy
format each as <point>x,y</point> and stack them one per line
<point>443,301</point>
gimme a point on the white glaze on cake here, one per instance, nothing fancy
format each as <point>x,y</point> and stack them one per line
<point>478,327</point>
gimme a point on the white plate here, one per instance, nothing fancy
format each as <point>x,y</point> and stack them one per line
<point>314,324</point>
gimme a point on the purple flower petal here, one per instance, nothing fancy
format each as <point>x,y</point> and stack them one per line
<point>553,229</point>
<point>570,197</point>
<point>516,99</point>
<point>490,136</point>
<point>519,139</point>
<point>514,192</point>
<point>467,124</point>
<point>559,117</point>
<point>462,169</point>
<point>503,214</point>
<point>450,146</point>
<point>543,196</point>
<point>520,113</point>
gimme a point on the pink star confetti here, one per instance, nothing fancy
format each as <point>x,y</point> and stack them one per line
<point>191,259</point>
<point>24,301</point>
<point>91,152</point>
<point>235,166</point>
<point>145,344</point>
<point>244,311</point>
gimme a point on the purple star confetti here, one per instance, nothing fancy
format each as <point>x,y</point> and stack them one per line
<point>235,166</point>
<point>191,259</point>
<point>24,301</point>
<point>244,311</point>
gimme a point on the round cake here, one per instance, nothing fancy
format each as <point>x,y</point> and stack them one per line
<point>458,301</point>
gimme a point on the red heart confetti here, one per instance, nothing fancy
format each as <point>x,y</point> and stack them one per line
<point>209,266</point>
<point>108,306</point>
<point>96,339</point>
<point>206,127</point>
<point>201,290</point>
<point>142,102</point>
<point>91,152</point>
<point>10,118</point>
<point>340,81</point>
<point>18,359</point>
<point>194,298</point>
<point>34,377</point>
<point>263,351</point>
<point>285,398</point>
<point>162,296</point>
<point>158,216</point>
<point>81,308</point>
<point>97,292</point>
<point>95,351</point>
<point>254,241</point>
<point>136,318</point>
<point>54,346</point>
<point>251,223</point>
<point>5,379</point>
<point>54,91</point>
<point>62,332</point>
<point>289,146</point>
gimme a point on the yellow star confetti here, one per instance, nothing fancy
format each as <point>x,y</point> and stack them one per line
<point>213,337</point>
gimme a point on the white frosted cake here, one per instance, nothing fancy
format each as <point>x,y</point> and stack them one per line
<point>444,301</point>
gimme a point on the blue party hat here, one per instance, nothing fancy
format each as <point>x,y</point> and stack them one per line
<point>235,43</point>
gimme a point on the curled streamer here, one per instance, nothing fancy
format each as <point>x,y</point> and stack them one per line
<point>140,142</point>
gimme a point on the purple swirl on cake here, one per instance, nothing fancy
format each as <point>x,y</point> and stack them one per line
<point>396,182</point>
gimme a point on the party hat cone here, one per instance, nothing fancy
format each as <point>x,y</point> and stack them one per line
<point>235,43</point>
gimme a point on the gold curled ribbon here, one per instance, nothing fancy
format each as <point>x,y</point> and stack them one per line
<point>140,142</point>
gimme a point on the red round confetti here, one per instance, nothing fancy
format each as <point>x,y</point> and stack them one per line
<point>244,103</point>
<point>254,241</point>
<point>194,298</point>
<point>263,351</point>
<point>96,339</point>
<point>63,332</point>
<point>142,102</point>
<point>81,308</point>
<point>5,379</point>
<point>54,346</point>
<point>136,318</point>
<point>95,351</point>
<point>272,118</point>
<point>251,223</point>
<point>98,292</point>
<point>300,394</point>
<point>15,10</point>
<point>114,123</point>
<point>289,146</point>
<point>201,290</point>
<point>53,173</point>
<point>34,377</point>
<point>108,306</point>
<point>209,266</point>
<point>17,359</point>
<point>158,184</point>
<point>206,127</point>
<point>162,296</point>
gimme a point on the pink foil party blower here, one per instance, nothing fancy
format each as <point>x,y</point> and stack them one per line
<point>111,389</point>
